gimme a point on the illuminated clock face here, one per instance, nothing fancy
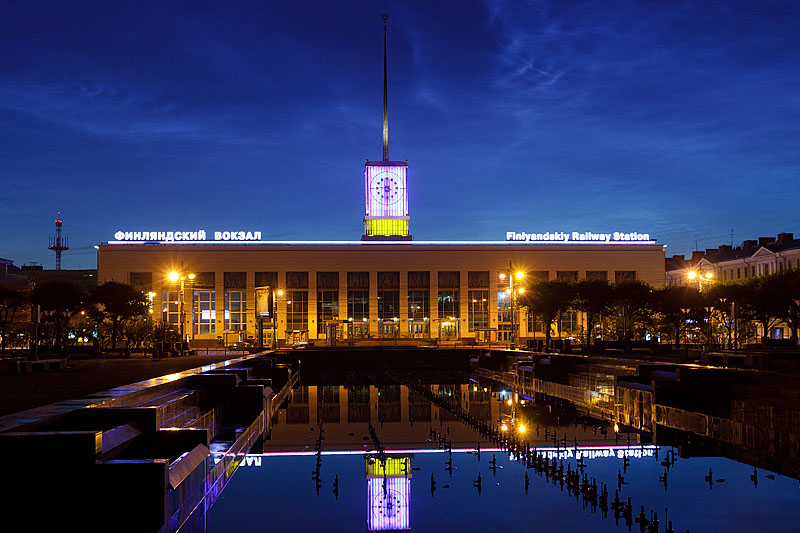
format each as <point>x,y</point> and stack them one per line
<point>389,505</point>
<point>385,187</point>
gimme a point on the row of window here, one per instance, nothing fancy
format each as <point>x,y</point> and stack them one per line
<point>233,281</point>
<point>202,307</point>
<point>764,269</point>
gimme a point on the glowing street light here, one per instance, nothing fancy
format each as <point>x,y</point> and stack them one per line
<point>174,277</point>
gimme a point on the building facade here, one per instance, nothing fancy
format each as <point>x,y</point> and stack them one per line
<point>394,290</point>
<point>754,258</point>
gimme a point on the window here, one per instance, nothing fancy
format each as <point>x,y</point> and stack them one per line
<point>204,312</point>
<point>327,308</point>
<point>600,275</point>
<point>448,303</point>
<point>567,275</point>
<point>477,310</point>
<point>478,280</point>
<point>503,307</point>
<point>388,304</point>
<point>568,322</point>
<point>357,305</point>
<point>170,307</point>
<point>621,276</point>
<point>739,273</point>
<point>419,311</point>
<point>753,271</point>
<point>297,280</point>
<point>235,310</point>
<point>296,310</point>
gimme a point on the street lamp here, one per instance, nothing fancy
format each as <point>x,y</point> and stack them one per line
<point>278,292</point>
<point>513,292</point>
<point>174,277</point>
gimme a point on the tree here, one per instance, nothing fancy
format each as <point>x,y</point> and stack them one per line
<point>772,300</point>
<point>728,305</point>
<point>670,304</point>
<point>138,332</point>
<point>548,299</point>
<point>634,301</point>
<point>59,300</point>
<point>118,302</point>
<point>10,301</point>
<point>594,297</point>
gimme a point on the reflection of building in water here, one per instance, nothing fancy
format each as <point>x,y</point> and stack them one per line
<point>402,418</point>
<point>388,493</point>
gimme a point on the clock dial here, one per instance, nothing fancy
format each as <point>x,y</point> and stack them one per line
<point>386,187</point>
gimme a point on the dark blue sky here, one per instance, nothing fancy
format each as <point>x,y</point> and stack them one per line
<point>680,119</point>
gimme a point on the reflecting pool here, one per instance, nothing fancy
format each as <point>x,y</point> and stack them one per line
<point>474,456</point>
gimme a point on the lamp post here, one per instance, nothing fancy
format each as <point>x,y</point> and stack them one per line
<point>513,277</point>
<point>278,292</point>
<point>700,278</point>
<point>174,277</point>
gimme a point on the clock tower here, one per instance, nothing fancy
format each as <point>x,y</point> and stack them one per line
<point>385,184</point>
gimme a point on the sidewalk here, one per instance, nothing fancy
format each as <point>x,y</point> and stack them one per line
<point>83,377</point>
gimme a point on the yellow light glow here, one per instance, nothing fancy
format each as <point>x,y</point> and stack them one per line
<point>173,276</point>
<point>520,274</point>
<point>502,276</point>
<point>709,275</point>
<point>280,293</point>
<point>509,401</point>
<point>504,427</point>
<point>521,428</point>
<point>191,276</point>
<point>475,388</point>
<point>616,428</point>
<point>692,274</point>
<point>522,290</point>
<point>508,291</point>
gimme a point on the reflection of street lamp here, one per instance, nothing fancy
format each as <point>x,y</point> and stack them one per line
<point>174,277</point>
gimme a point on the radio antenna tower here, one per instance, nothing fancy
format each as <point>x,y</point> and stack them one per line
<point>58,243</point>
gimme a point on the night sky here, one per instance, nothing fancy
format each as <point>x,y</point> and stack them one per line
<point>679,119</point>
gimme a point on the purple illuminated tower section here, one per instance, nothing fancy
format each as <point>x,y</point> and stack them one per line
<point>386,184</point>
<point>388,493</point>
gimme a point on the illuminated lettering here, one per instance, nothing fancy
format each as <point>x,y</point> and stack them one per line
<point>257,235</point>
<point>201,234</point>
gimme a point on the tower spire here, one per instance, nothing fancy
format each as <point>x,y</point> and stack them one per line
<point>385,96</point>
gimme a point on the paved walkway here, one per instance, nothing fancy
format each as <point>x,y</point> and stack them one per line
<point>83,377</point>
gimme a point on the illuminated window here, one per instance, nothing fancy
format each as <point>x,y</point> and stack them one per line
<point>296,310</point>
<point>477,310</point>
<point>327,308</point>
<point>503,307</point>
<point>170,308</point>
<point>204,313</point>
<point>358,305</point>
<point>236,310</point>
<point>448,303</point>
<point>419,312</point>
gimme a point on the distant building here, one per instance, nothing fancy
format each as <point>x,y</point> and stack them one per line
<point>754,258</point>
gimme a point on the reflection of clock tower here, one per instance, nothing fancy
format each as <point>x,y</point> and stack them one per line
<point>386,191</point>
